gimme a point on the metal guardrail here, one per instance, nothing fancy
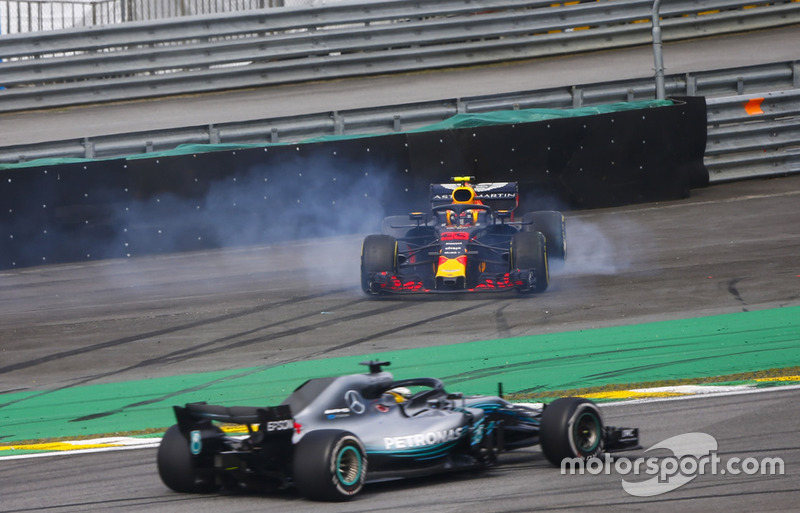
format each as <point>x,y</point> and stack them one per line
<point>762,139</point>
<point>283,45</point>
<point>753,135</point>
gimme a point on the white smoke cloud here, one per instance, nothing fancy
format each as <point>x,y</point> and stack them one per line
<point>603,244</point>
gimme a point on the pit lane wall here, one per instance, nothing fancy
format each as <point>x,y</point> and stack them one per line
<point>201,197</point>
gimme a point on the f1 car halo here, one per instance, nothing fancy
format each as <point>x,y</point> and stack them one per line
<point>468,242</point>
<point>332,435</point>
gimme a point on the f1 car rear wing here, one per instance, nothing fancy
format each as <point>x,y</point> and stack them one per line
<point>498,196</point>
<point>275,419</point>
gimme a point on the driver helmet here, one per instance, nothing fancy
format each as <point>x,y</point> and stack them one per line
<point>396,395</point>
<point>469,217</point>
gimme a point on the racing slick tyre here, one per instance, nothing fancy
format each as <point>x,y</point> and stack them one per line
<point>527,251</point>
<point>551,224</point>
<point>179,469</point>
<point>571,427</point>
<point>378,254</point>
<point>329,465</point>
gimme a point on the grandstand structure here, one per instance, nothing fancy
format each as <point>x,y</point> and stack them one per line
<point>19,16</point>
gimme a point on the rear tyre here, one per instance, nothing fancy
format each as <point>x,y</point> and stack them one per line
<point>179,469</point>
<point>395,226</point>
<point>378,254</point>
<point>553,226</point>
<point>571,427</point>
<point>329,465</point>
<point>527,251</point>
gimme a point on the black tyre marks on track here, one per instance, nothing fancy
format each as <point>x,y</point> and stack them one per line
<point>315,354</point>
<point>157,333</point>
<point>213,347</point>
<point>679,344</point>
<point>733,289</point>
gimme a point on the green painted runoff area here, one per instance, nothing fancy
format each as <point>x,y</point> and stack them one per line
<point>689,348</point>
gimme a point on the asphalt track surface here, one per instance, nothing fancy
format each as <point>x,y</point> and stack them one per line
<point>756,427</point>
<point>728,248</point>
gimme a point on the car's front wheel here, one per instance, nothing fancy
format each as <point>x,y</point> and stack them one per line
<point>571,427</point>
<point>329,465</point>
<point>378,254</point>
<point>528,251</point>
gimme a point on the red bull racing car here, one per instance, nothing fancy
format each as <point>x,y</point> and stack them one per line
<point>332,435</point>
<point>470,241</point>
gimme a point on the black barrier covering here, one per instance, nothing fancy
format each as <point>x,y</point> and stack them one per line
<point>235,197</point>
<point>591,161</point>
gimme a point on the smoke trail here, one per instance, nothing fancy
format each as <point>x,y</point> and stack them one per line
<point>608,245</point>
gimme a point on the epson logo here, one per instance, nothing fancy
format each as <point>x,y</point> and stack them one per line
<point>280,425</point>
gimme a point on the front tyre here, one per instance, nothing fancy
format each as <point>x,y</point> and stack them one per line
<point>528,251</point>
<point>329,465</point>
<point>179,469</point>
<point>571,427</point>
<point>378,254</point>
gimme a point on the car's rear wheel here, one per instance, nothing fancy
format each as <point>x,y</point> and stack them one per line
<point>329,465</point>
<point>378,254</point>
<point>181,470</point>
<point>571,427</point>
<point>395,226</point>
<point>527,251</point>
<point>551,223</point>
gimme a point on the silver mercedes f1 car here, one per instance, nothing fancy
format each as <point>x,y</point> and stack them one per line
<point>332,435</point>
